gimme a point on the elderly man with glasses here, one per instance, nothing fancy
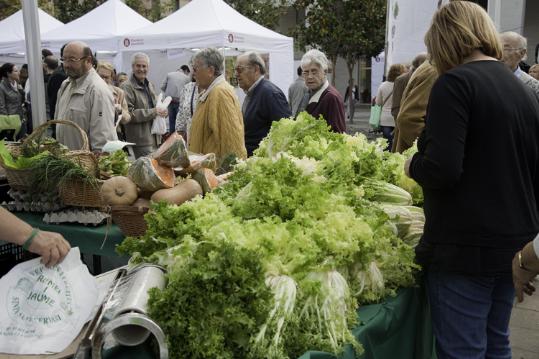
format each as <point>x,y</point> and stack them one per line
<point>85,99</point>
<point>514,51</point>
<point>264,102</point>
<point>217,125</point>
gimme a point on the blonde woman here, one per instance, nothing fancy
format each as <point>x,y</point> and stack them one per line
<point>106,72</point>
<point>478,165</point>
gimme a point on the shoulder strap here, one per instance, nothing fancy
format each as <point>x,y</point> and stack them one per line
<point>387,98</point>
<point>192,98</point>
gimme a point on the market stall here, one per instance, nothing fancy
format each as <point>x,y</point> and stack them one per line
<point>264,258</point>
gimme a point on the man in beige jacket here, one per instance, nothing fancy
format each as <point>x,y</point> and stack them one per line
<point>85,99</point>
<point>411,119</point>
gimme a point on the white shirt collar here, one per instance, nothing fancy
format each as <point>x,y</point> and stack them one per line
<point>317,94</point>
<point>254,85</point>
<point>518,72</point>
<point>204,94</point>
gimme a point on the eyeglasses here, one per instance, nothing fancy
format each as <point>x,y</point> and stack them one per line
<point>313,72</point>
<point>72,59</point>
<point>512,48</point>
<point>198,67</point>
<point>240,69</point>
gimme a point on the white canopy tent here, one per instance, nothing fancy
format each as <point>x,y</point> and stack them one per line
<point>211,23</point>
<point>12,38</point>
<point>102,28</point>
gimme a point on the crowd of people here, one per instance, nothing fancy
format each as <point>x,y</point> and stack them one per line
<point>204,107</point>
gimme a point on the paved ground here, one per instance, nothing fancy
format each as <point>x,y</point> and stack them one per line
<point>524,324</point>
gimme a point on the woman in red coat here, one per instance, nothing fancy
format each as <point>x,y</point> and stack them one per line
<point>324,99</point>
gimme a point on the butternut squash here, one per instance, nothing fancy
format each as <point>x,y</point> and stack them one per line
<point>119,191</point>
<point>150,176</point>
<point>173,152</point>
<point>182,192</point>
<point>206,179</point>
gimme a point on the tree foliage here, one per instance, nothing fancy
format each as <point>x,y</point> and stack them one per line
<point>350,29</point>
<point>366,38</point>
<point>264,12</point>
<point>69,10</point>
<point>321,27</point>
<point>157,11</point>
<point>9,7</point>
<point>137,5</point>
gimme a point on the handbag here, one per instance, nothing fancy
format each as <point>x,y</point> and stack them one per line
<point>376,113</point>
<point>11,122</point>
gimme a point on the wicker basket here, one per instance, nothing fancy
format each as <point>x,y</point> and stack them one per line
<point>82,157</point>
<point>22,179</point>
<point>81,194</point>
<point>130,219</point>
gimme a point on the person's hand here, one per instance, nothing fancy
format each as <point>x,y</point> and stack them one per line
<point>407,167</point>
<point>522,280</point>
<point>162,112</point>
<point>51,246</point>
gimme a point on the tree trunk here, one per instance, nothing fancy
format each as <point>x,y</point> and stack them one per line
<point>333,60</point>
<point>350,65</point>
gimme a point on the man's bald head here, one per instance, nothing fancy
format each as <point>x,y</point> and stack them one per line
<point>514,48</point>
<point>77,59</point>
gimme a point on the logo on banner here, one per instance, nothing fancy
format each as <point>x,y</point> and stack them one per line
<point>127,42</point>
<point>230,38</point>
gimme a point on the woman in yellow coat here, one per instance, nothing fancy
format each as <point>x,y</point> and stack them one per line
<point>217,125</point>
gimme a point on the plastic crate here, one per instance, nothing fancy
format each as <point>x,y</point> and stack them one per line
<point>11,255</point>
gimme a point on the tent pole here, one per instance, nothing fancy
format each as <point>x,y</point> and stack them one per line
<point>35,67</point>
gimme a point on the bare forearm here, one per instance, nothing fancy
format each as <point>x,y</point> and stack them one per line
<point>12,229</point>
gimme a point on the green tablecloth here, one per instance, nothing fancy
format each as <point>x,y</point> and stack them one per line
<point>399,327</point>
<point>88,238</point>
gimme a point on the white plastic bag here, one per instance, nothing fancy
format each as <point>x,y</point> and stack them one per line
<point>160,124</point>
<point>42,310</point>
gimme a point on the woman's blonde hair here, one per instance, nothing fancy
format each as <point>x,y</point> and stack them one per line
<point>105,65</point>
<point>457,29</point>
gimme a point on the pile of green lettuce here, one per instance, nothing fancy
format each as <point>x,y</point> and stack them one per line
<point>276,261</point>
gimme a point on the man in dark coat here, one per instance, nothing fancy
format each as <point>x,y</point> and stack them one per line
<point>53,85</point>
<point>264,102</point>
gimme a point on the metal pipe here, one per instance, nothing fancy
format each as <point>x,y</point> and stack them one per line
<point>35,63</point>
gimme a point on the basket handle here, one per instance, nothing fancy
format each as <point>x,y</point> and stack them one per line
<point>38,132</point>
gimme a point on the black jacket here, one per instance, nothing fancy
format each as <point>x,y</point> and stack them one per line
<point>478,165</point>
<point>55,81</point>
<point>266,104</point>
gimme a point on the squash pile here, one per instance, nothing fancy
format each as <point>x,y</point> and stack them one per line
<point>154,177</point>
